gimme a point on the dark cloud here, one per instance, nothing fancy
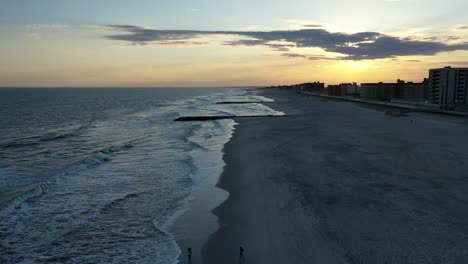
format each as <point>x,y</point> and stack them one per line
<point>246,42</point>
<point>463,27</point>
<point>293,55</point>
<point>322,57</point>
<point>388,47</point>
<point>139,35</point>
<point>448,37</point>
<point>123,27</point>
<point>309,57</point>
<point>437,38</point>
<point>181,42</point>
<point>357,46</point>
<point>312,26</point>
<point>257,42</point>
<point>280,47</point>
<point>198,43</point>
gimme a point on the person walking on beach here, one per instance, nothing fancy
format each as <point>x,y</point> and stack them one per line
<point>241,255</point>
<point>190,255</point>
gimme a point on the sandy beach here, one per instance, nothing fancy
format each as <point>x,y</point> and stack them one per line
<point>337,182</point>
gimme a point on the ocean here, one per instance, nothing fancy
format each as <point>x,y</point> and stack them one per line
<point>101,175</point>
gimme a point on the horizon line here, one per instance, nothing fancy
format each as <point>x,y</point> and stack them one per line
<point>127,87</point>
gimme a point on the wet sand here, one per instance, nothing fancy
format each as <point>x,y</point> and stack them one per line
<point>336,182</point>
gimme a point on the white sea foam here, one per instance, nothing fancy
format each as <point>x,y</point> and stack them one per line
<point>117,203</point>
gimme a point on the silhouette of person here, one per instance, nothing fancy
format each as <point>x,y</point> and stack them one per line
<point>190,255</point>
<point>241,255</point>
<point>411,121</point>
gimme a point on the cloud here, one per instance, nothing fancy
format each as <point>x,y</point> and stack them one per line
<point>463,27</point>
<point>137,34</point>
<point>310,57</point>
<point>293,55</point>
<point>312,26</point>
<point>389,47</point>
<point>357,46</point>
<point>256,42</point>
<point>323,57</point>
<point>441,38</point>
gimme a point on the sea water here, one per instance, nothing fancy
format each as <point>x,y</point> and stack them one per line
<point>100,175</point>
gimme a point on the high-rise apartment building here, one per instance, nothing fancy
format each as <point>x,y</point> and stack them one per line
<point>449,87</point>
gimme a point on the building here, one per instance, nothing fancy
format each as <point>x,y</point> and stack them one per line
<point>449,87</point>
<point>335,90</point>
<point>351,89</point>
<point>344,89</point>
<point>410,91</point>
<point>315,87</point>
<point>377,91</point>
<point>399,91</point>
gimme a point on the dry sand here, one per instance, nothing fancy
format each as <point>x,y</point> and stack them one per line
<point>341,183</point>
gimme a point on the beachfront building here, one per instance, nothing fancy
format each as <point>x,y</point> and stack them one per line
<point>351,89</point>
<point>449,87</point>
<point>315,87</point>
<point>410,91</point>
<point>335,90</point>
<point>377,91</point>
<point>399,91</point>
<point>344,89</point>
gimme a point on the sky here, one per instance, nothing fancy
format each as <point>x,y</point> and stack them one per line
<point>151,43</point>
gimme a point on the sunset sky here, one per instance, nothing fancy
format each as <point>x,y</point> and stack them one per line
<point>149,43</point>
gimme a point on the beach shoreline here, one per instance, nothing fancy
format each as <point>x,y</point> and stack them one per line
<point>340,183</point>
<point>193,227</point>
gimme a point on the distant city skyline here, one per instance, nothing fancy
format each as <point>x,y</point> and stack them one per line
<point>145,43</point>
